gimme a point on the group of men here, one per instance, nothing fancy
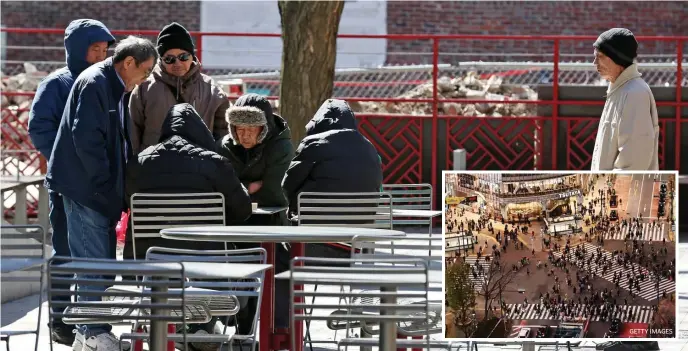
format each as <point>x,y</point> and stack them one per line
<point>147,120</point>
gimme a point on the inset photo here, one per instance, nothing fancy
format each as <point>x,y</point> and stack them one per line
<point>560,255</point>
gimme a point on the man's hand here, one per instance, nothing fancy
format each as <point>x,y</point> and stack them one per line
<point>254,187</point>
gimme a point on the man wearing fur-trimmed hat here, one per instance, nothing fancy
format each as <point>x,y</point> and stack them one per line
<point>176,79</point>
<point>628,134</point>
<point>259,147</point>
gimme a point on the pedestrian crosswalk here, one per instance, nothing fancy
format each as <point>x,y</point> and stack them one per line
<point>626,313</point>
<point>649,232</point>
<point>647,286</point>
<point>482,276</point>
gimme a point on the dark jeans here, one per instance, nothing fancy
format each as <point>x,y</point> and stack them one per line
<point>91,235</point>
<point>60,240</point>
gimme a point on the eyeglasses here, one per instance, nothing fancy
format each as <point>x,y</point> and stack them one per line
<point>172,59</point>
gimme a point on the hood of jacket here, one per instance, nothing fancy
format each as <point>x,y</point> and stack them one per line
<point>183,120</point>
<point>333,114</point>
<point>79,35</point>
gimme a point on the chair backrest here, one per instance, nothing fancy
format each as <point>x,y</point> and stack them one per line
<point>23,254</point>
<point>151,213</point>
<point>240,288</point>
<point>365,210</point>
<point>249,287</point>
<point>388,281</point>
<point>93,302</point>
<point>22,248</point>
<point>422,246</point>
<point>410,197</point>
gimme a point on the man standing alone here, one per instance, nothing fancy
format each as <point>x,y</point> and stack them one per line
<point>87,164</point>
<point>628,135</point>
<point>86,42</point>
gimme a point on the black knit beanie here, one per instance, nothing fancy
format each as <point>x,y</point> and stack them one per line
<point>175,36</point>
<point>618,44</point>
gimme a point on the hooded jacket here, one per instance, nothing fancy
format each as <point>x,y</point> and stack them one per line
<point>151,100</point>
<point>333,157</point>
<point>51,95</point>
<point>267,161</point>
<point>184,161</point>
<point>628,134</point>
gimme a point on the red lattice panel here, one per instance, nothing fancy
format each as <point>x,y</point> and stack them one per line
<point>18,154</point>
<point>399,143</point>
<point>580,142</point>
<point>493,143</point>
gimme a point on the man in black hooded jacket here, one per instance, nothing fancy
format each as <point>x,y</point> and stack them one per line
<point>185,161</point>
<point>333,157</point>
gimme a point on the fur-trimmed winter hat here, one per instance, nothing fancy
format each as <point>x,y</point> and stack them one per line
<point>246,116</point>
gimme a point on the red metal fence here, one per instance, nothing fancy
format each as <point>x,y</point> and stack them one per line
<point>415,148</point>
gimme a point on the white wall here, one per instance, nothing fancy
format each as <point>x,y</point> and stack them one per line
<point>359,17</point>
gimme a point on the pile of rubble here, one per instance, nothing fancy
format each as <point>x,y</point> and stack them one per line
<point>18,105</point>
<point>468,87</point>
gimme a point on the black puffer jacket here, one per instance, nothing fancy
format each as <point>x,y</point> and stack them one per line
<point>334,156</point>
<point>184,161</point>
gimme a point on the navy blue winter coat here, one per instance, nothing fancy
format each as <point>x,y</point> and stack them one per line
<point>88,160</point>
<point>51,96</point>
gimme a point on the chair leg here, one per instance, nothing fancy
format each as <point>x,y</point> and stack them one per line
<point>308,322</point>
<point>7,343</point>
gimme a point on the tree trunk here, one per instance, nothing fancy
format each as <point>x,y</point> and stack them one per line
<point>309,39</point>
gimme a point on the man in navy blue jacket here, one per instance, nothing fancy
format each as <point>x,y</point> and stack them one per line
<point>86,42</point>
<point>88,161</point>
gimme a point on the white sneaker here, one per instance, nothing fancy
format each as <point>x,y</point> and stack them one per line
<point>78,344</point>
<point>101,342</point>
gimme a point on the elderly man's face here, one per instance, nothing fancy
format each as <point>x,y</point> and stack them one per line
<point>606,67</point>
<point>248,135</point>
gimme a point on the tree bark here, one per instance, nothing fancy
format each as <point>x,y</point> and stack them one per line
<point>309,39</point>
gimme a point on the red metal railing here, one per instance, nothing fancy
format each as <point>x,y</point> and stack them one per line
<point>506,142</point>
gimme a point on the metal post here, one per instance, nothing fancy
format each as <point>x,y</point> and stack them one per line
<point>43,208</point>
<point>158,331</point>
<point>528,346</point>
<point>459,160</point>
<point>20,205</point>
<point>388,330</point>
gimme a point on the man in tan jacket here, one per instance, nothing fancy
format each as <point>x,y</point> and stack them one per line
<point>628,135</point>
<point>177,78</point>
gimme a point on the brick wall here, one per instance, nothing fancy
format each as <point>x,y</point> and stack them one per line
<point>114,14</point>
<point>529,17</point>
<point>446,17</point>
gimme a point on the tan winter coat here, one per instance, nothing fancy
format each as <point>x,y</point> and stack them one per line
<point>628,135</point>
<point>151,100</point>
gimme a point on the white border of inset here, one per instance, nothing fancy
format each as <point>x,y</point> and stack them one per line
<point>600,340</point>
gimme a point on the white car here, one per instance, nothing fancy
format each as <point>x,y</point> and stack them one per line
<point>524,333</point>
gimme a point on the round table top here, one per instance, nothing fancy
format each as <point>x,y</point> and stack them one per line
<point>278,234</point>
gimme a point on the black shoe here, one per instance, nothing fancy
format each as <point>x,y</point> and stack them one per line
<point>62,333</point>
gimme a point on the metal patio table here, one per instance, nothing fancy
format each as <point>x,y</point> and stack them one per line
<point>197,270</point>
<point>268,236</point>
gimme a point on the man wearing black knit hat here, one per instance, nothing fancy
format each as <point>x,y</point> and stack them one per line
<point>176,79</point>
<point>628,134</point>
